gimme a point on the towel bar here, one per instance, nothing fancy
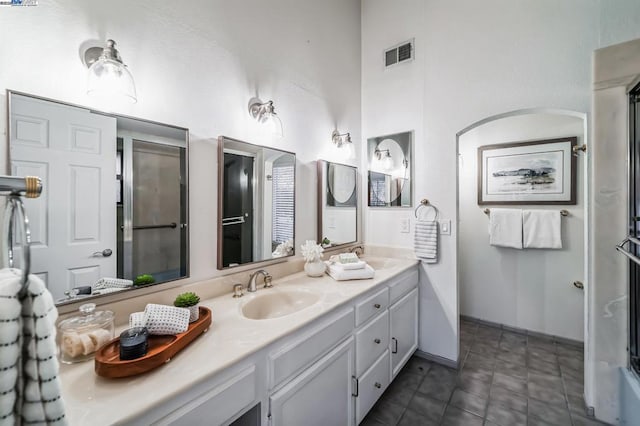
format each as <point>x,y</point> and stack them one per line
<point>562,212</point>
<point>621,249</point>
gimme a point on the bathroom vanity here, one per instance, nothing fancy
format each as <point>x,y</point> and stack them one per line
<point>307,351</point>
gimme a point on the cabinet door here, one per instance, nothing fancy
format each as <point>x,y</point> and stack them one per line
<point>404,330</point>
<point>321,395</point>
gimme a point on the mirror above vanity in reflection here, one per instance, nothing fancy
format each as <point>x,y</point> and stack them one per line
<point>337,204</point>
<point>114,203</point>
<point>256,203</point>
<point>390,165</point>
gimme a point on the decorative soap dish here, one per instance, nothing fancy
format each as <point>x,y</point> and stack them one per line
<point>161,349</point>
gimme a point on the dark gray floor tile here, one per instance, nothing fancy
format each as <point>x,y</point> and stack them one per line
<point>516,348</point>
<point>398,394</point>
<point>477,373</point>
<point>535,421</point>
<point>511,337</point>
<point>408,379</point>
<point>479,360</point>
<point>511,369</point>
<point>542,354</point>
<point>488,332</point>
<point>513,384</point>
<point>473,386</point>
<point>417,365</point>
<point>370,421</point>
<point>429,408</point>
<point>573,387</point>
<point>483,348</point>
<point>570,351</point>
<point>505,417</point>
<point>456,417</point>
<point>547,381</point>
<point>576,404</point>
<point>412,418</point>
<point>440,390</point>
<point>541,343</point>
<point>508,399</point>
<point>547,395</point>
<point>548,413</point>
<point>512,357</point>
<point>585,421</point>
<point>573,363</point>
<point>570,373</point>
<point>469,402</point>
<point>386,412</point>
<point>539,366</point>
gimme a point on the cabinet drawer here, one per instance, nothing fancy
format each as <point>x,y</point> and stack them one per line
<point>402,284</point>
<point>371,341</point>
<point>371,386</point>
<point>303,351</point>
<point>372,306</point>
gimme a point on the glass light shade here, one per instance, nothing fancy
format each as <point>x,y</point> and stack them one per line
<point>387,162</point>
<point>346,151</point>
<point>275,124</point>
<point>111,79</point>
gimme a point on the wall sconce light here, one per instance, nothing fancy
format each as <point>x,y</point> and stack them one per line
<point>264,112</point>
<point>343,143</point>
<point>108,75</point>
<point>384,155</point>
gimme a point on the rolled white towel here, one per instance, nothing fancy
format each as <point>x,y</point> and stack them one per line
<point>136,319</point>
<point>165,319</point>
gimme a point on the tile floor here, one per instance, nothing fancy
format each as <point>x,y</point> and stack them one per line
<point>505,379</point>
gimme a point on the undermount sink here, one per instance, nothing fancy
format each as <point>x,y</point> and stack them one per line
<point>380,264</point>
<point>278,303</point>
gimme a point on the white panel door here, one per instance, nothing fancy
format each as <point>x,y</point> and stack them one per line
<point>74,152</point>
<point>321,395</point>
<point>404,330</point>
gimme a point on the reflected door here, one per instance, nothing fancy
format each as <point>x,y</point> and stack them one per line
<point>73,222</point>
<point>237,214</point>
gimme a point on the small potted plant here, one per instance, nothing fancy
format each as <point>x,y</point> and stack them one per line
<point>144,279</point>
<point>190,301</point>
<point>312,253</point>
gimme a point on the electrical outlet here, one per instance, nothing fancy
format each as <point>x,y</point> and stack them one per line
<point>445,227</point>
<point>404,225</point>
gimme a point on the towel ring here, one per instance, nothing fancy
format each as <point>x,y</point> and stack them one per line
<point>15,217</point>
<point>424,203</point>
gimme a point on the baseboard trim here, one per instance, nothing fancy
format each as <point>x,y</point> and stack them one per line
<point>557,339</point>
<point>437,359</point>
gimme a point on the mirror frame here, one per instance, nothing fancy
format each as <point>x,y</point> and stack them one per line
<point>411,176</point>
<point>322,167</point>
<point>125,293</point>
<point>220,242</point>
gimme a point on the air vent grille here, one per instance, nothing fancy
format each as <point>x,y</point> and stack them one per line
<point>399,53</point>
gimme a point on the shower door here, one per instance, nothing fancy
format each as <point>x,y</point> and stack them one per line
<point>634,227</point>
<point>237,214</point>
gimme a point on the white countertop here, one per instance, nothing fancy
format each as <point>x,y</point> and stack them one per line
<point>90,399</point>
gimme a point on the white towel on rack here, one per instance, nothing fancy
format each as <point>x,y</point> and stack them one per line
<point>28,326</point>
<point>542,229</point>
<point>505,228</point>
<point>425,240</point>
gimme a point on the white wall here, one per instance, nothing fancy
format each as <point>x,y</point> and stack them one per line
<point>529,289</point>
<point>196,64</point>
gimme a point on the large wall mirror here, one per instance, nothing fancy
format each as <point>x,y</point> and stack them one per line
<point>256,203</point>
<point>337,204</point>
<point>114,203</point>
<point>390,169</point>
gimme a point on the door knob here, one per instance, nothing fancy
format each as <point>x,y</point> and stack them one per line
<point>578,284</point>
<point>103,253</point>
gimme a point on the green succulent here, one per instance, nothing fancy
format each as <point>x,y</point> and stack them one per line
<point>185,300</point>
<point>325,241</point>
<point>144,279</point>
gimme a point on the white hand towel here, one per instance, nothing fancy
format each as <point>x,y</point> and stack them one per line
<point>425,240</point>
<point>348,266</point>
<point>505,228</point>
<point>340,274</point>
<point>29,385</point>
<point>542,229</point>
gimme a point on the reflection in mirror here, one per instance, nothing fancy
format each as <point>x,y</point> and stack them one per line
<point>337,204</point>
<point>114,204</point>
<point>256,203</point>
<point>390,163</point>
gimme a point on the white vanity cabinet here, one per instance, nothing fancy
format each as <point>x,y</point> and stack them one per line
<point>404,330</point>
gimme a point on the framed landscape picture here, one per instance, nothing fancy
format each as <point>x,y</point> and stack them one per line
<point>533,172</point>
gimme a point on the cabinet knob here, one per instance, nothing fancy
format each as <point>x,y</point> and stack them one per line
<point>378,385</point>
<point>377,341</point>
<point>377,306</point>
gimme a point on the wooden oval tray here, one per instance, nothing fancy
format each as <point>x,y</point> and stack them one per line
<point>161,349</point>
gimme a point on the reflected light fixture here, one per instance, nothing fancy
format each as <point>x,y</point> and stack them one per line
<point>343,143</point>
<point>384,155</point>
<point>108,75</point>
<point>264,112</point>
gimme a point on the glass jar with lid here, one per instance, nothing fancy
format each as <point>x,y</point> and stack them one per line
<point>81,336</point>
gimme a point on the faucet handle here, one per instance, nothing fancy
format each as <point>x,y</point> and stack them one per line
<point>237,290</point>
<point>267,281</point>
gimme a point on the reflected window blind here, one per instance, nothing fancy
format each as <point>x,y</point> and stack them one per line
<point>283,203</point>
<point>378,193</point>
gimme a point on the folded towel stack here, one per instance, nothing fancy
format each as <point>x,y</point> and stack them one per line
<point>161,319</point>
<point>348,269</point>
<point>425,240</point>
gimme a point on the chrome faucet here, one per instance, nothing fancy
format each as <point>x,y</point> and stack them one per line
<point>358,250</point>
<point>252,280</point>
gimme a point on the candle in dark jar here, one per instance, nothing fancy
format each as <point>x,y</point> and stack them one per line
<point>133,343</point>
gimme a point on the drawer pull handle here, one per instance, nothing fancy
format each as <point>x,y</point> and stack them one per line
<point>356,386</point>
<point>377,306</point>
<point>395,345</point>
<point>377,341</point>
<point>378,385</point>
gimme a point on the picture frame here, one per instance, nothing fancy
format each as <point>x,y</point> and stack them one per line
<point>528,173</point>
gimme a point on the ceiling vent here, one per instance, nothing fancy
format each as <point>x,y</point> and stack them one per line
<point>402,52</point>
